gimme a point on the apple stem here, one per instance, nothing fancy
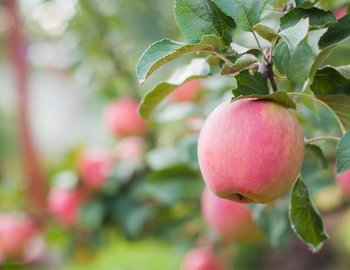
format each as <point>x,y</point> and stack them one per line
<point>321,138</point>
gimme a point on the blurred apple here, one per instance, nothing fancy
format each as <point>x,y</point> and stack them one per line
<point>16,232</point>
<point>64,204</point>
<point>230,220</point>
<point>343,180</point>
<point>94,167</point>
<point>187,92</point>
<point>121,118</point>
<point>202,258</point>
<point>341,12</point>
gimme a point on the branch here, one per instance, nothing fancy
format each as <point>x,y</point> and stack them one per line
<point>35,184</point>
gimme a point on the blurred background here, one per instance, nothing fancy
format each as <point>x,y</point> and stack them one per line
<point>86,184</point>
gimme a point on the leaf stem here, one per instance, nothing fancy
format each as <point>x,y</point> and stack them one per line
<point>256,39</point>
<point>342,128</point>
<point>321,138</point>
<point>222,57</point>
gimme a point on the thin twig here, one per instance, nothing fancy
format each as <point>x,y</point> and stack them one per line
<point>322,138</point>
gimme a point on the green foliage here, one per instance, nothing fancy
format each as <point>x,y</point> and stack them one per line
<point>265,32</point>
<point>245,13</point>
<point>343,154</point>
<point>279,97</point>
<point>167,50</point>
<point>243,62</point>
<point>306,3</point>
<point>296,64</point>
<point>294,34</point>
<point>318,152</point>
<point>329,81</point>
<point>305,220</point>
<point>318,18</point>
<point>155,96</point>
<point>197,18</point>
<point>248,84</point>
<point>336,33</point>
<point>291,61</point>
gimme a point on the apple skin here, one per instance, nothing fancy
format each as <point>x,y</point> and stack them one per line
<point>250,150</point>
<point>343,180</point>
<point>16,232</point>
<point>230,220</point>
<point>64,204</point>
<point>201,258</point>
<point>187,92</point>
<point>130,149</point>
<point>121,118</point>
<point>95,166</point>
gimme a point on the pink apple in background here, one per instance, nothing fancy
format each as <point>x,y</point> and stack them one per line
<point>341,12</point>
<point>64,204</point>
<point>343,180</point>
<point>230,220</point>
<point>121,118</point>
<point>130,149</point>
<point>95,166</point>
<point>202,258</point>
<point>16,232</point>
<point>250,150</point>
<point>187,92</point>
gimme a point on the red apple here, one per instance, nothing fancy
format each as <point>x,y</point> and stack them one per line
<point>130,149</point>
<point>64,204</point>
<point>16,231</point>
<point>343,180</point>
<point>121,117</point>
<point>250,150</point>
<point>341,12</point>
<point>187,92</point>
<point>202,258</point>
<point>95,166</point>
<point>230,220</point>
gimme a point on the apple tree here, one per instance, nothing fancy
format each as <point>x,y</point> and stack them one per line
<point>274,52</point>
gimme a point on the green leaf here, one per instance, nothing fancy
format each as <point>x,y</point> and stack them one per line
<point>279,97</point>
<point>318,18</point>
<point>246,13</point>
<point>306,3</point>
<point>295,34</point>
<point>152,98</point>
<point>295,65</point>
<point>166,50</point>
<point>318,152</point>
<point>305,219</point>
<point>343,154</point>
<point>330,80</point>
<point>241,63</point>
<point>332,86</point>
<point>336,33</point>
<point>340,104</point>
<point>248,84</point>
<point>197,18</point>
<point>321,56</point>
<point>265,32</point>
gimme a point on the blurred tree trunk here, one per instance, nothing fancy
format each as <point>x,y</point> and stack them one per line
<point>34,179</point>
